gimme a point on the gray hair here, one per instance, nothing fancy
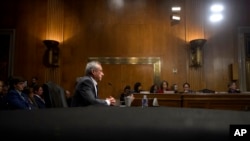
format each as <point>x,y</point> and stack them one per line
<point>91,66</point>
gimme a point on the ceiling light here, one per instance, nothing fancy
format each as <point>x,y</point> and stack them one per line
<point>176,17</point>
<point>216,17</point>
<point>176,8</point>
<point>216,8</point>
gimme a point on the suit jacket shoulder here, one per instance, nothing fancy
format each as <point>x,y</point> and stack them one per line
<point>17,101</point>
<point>85,94</point>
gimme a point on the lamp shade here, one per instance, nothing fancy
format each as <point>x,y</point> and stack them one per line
<point>50,43</point>
<point>197,43</point>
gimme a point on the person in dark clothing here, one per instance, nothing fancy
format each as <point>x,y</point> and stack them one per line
<point>15,97</point>
<point>232,87</point>
<point>86,91</point>
<point>126,92</point>
<point>137,87</point>
<point>3,92</point>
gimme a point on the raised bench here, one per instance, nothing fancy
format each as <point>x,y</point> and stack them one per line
<point>202,100</point>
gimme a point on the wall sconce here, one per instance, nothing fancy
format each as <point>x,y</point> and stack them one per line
<point>51,56</point>
<point>196,52</point>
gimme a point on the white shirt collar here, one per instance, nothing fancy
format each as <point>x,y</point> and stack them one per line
<point>19,92</point>
<point>95,83</point>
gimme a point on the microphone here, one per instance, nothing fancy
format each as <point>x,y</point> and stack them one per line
<point>111,88</point>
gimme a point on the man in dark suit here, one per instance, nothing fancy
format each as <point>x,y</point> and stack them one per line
<point>16,98</point>
<point>86,92</point>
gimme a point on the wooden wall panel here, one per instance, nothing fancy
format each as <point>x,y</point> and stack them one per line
<point>55,16</point>
<point>117,76</point>
<point>126,32</point>
<point>110,84</point>
<point>195,30</point>
<point>133,73</point>
<point>30,31</point>
<point>135,29</point>
<point>219,52</point>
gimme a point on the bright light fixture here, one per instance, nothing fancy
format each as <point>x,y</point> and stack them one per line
<point>176,8</point>
<point>216,17</point>
<point>176,17</point>
<point>216,8</point>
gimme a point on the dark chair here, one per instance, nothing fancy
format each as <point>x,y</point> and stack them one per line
<point>54,95</point>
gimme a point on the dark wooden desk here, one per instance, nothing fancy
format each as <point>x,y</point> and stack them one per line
<point>171,100</point>
<point>217,101</point>
<point>200,100</point>
<point>120,124</point>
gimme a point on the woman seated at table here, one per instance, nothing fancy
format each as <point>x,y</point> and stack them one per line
<point>126,93</point>
<point>163,87</point>
<point>232,87</point>
<point>154,88</point>
<point>186,88</point>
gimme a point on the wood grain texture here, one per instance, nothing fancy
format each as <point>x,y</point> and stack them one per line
<point>135,29</point>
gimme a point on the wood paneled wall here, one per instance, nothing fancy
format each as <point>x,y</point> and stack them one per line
<point>55,20</point>
<point>139,28</point>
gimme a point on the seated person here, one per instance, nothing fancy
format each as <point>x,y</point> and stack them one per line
<point>29,92</point>
<point>186,88</point>
<point>38,96</point>
<point>3,92</point>
<point>163,87</point>
<point>16,98</point>
<point>137,87</point>
<point>175,88</point>
<point>232,87</point>
<point>154,88</point>
<point>126,92</point>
